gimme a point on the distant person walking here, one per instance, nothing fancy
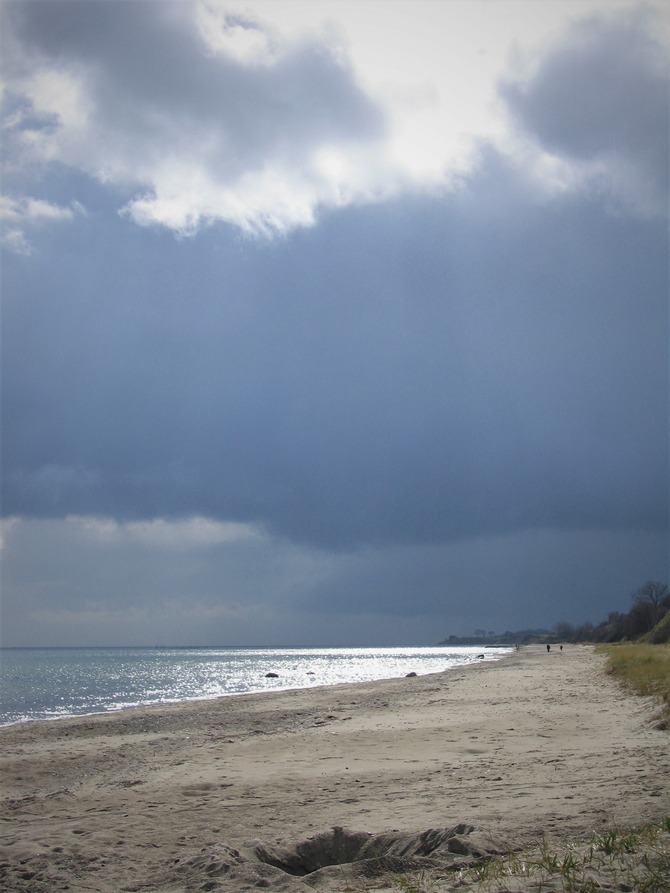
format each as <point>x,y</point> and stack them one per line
<point>548,647</point>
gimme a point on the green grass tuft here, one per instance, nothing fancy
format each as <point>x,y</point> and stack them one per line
<point>636,859</point>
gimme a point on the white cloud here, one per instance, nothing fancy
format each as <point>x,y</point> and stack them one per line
<point>94,579</point>
<point>181,534</point>
<point>189,129</point>
<point>238,35</point>
<point>185,197</point>
<point>34,210</point>
<point>201,112</point>
<point>20,214</point>
<point>15,240</point>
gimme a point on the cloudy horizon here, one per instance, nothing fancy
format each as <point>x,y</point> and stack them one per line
<point>327,327</point>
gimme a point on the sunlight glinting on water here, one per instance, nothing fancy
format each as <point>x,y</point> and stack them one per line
<point>50,683</point>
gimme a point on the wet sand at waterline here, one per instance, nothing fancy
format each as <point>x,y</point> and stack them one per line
<point>330,788</point>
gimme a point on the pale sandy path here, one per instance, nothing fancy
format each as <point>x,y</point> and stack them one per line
<point>536,743</point>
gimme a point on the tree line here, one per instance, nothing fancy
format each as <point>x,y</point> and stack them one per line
<point>648,619</point>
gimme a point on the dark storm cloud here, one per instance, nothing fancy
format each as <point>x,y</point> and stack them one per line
<point>442,404</point>
<point>432,369</point>
<point>602,95</point>
<point>526,578</point>
<point>68,581</point>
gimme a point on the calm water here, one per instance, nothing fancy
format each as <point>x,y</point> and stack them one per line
<point>47,683</point>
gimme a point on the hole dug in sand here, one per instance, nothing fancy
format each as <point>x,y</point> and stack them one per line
<point>328,858</point>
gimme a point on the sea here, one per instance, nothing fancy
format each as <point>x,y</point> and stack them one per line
<point>51,683</point>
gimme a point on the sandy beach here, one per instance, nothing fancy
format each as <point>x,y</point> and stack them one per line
<point>271,791</point>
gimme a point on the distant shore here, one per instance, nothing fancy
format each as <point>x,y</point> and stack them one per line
<point>202,796</point>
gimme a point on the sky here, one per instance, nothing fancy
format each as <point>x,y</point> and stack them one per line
<point>331,323</point>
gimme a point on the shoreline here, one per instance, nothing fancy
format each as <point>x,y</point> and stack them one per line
<point>201,701</point>
<point>530,745</point>
<point>279,677</point>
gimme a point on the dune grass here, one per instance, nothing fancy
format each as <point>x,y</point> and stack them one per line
<point>645,669</point>
<point>636,859</point>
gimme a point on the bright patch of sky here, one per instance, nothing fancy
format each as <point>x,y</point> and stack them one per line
<point>262,116</point>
